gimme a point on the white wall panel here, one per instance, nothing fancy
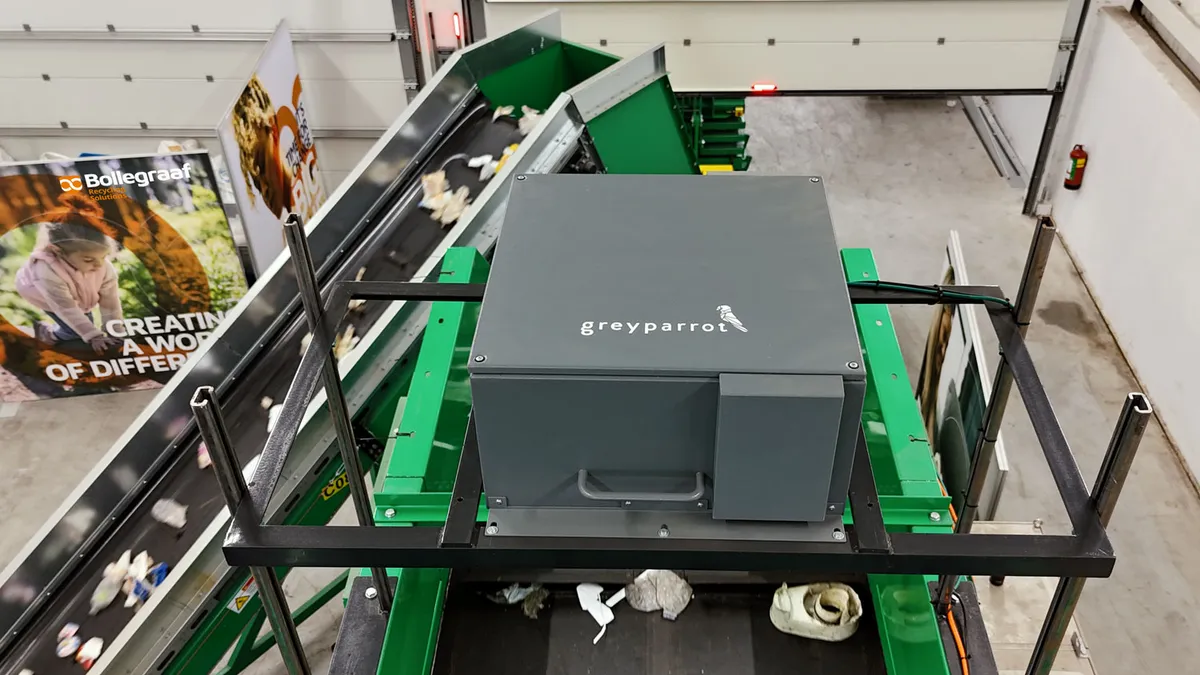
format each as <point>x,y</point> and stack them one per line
<point>353,74</point>
<point>210,15</point>
<point>894,66</point>
<point>1023,119</point>
<point>193,59</point>
<point>1134,227</point>
<point>902,45</point>
<point>803,21</point>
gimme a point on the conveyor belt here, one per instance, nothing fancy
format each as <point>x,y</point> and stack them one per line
<point>393,251</point>
<point>723,631</point>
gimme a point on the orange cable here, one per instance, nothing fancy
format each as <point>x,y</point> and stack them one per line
<point>958,643</point>
<point>962,651</point>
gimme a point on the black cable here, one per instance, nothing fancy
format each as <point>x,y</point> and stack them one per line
<point>938,292</point>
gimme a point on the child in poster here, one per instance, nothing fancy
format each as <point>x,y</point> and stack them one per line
<point>69,275</point>
<point>113,272</point>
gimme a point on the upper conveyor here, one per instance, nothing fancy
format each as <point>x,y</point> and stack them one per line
<point>371,221</point>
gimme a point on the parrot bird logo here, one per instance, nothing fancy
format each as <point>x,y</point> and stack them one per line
<point>730,318</point>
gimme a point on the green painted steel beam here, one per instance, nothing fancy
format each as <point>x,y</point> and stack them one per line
<point>411,638</point>
<point>907,481</point>
<point>420,463</point>
<point>422,454</point>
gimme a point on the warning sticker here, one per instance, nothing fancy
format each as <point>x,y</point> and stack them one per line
<point>334,486</point>
<point>247,591</point>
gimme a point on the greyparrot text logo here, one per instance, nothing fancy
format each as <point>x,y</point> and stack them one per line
<point>725,319</point>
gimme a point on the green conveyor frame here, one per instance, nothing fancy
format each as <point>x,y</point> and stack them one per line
<point>421,457</point>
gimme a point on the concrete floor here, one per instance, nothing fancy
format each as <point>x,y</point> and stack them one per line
<point>901,174</point>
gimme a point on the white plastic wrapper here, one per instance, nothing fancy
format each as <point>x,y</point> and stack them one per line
<point>169,512</point>
<point>344,343</point>
<point>529,120</point>
<point>266,402</point>
<point>110,584</point>
<point>141,564</point>
<point>202,458</point>
<point>273,417</point>
<point>589,600</point>
<point>502,111</point>
<point>487,167</point>
<point>105,592</point>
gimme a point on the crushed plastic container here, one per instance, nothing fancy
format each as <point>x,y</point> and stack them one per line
<point>66,648</point>
<point>169,512</point>
<point>89,652</point>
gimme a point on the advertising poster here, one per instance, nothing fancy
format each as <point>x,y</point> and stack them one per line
<point>268,147</point>
<point>953,390</point>
<point>112,271</point>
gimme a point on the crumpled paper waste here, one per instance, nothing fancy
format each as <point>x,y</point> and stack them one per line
<point>529,120</point>
<point>655,590</point>
<point>446,207</point>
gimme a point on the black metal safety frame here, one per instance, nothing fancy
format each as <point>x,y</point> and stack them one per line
<point>868,547</point>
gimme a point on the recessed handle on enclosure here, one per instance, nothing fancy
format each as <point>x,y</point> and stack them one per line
<point>604,496</point>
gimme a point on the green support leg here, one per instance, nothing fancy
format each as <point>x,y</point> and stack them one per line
<point>241,655</point>
<point>411,638</point>
<point>244,655</point>
<point>228,624</point>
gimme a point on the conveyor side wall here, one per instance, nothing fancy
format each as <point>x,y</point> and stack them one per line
<point>644,133</point>
<point>539,79</point>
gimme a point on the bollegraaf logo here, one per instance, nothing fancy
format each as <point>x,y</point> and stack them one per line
<point>115,178</point>
<point>725,315</point>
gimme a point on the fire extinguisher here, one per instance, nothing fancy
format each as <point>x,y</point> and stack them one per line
<point>1079,159</point>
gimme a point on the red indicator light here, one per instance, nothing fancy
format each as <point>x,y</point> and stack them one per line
<point>763,87</point>
<point>457,26</point>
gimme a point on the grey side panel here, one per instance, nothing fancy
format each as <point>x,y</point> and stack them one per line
<point>776,439</point>
<point>631,434</point>
<point>852,404</point>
